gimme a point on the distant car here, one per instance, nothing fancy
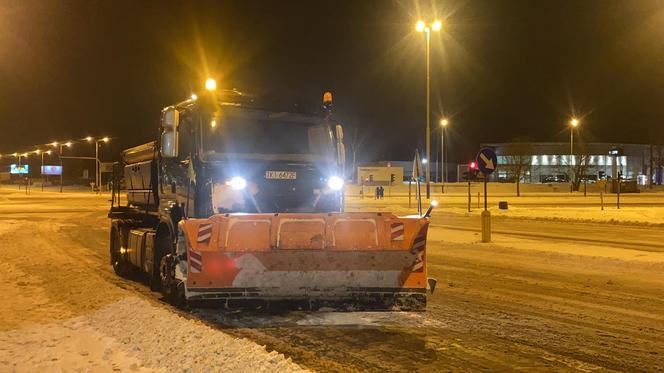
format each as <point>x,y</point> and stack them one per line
<point>554,179</point>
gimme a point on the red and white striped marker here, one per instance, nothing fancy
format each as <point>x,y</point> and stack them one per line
<point>195,261</point>
<point>397,231</point>
<point>418,249</point>
<point>204,233</point>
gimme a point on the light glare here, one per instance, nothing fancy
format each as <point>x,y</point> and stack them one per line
<point>211,84</point>
<point>238,183</point>
<point>436,25</point>
<point>419,26</point>
<point>335,183</point>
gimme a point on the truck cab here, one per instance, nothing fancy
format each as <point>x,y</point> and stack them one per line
<point>231,158</point>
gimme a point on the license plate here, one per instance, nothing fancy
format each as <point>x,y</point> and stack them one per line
<point>283,175</point>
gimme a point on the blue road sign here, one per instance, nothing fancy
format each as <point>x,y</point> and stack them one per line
<point>487,161</point>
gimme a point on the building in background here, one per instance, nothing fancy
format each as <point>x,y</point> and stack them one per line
<point>548,162</point>
<point>382,173</point>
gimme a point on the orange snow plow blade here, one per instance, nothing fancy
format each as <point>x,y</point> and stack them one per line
<point>353,260</point>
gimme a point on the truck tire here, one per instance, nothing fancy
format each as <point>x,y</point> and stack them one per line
<point>171,288</point>
<point>119,261</point>
<point>162,246</point>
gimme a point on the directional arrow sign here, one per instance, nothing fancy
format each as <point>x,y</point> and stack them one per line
<point>487,161</point>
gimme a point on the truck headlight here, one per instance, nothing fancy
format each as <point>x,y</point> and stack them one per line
<point>238,183</point>
<point>335,183</point>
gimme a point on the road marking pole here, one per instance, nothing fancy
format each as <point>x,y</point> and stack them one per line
<point>618,199</point>
<point>469,194</point>
<point>486,226</point>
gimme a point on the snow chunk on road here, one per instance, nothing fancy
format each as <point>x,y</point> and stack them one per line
<point>163,339</point>
<point>134,335</point>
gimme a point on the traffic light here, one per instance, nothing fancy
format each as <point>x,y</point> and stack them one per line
<point>391,178</point>
<point>472,171</point>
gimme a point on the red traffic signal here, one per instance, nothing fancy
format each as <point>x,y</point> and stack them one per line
<point>472,165</point>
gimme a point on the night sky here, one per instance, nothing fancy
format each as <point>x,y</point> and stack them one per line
<point>501,70</point>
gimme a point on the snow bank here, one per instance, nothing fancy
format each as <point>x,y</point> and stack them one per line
<point>132,334</point>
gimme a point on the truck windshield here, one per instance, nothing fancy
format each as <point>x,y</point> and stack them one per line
<point>257,132</point>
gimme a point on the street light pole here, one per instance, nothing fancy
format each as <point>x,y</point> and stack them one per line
<point>41,170</point>
<point>428,134</point>
<point>572,124</point>
<point>422,27</point>
<point>67,144</point>
<point>97,164</point>
<point>443,124</point>
<point>61,169</point>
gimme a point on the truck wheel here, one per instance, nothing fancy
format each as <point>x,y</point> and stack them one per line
<point>118,258</point>
<point>171,288</point>
<point>162,247</point>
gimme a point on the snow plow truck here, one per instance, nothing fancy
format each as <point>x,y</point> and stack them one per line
<point>240,206</point>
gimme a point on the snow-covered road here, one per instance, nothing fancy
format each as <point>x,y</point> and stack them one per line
<point>64,309</point>
<point>530,304</point>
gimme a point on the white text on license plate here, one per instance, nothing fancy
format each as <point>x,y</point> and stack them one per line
<point>287,175</point>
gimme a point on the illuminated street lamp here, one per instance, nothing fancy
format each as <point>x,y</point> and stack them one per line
<point>18,155</point>
<point>97,141</point>
<point>443,123</point>
<point>211,84</point>
<point>42,165</point>
<point>573,123</point>
<point>67,144</point>
<point>421,26</point>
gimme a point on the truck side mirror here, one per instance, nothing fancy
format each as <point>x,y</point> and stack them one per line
<point>170,120</point>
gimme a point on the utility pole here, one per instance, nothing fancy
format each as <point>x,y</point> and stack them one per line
<point>428,139</point>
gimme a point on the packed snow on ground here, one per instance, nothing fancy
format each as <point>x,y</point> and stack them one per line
<point>625,215</point>
<point>631,211</point>
<point>133,335</point>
